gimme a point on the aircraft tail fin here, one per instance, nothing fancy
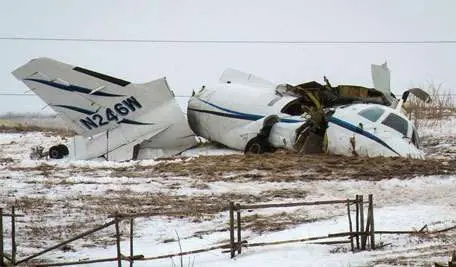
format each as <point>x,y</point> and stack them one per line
<point>89,101</point>
<point>381,78</point>
<point>98,104</point>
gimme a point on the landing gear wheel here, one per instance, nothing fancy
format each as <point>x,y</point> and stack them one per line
<point>257,146</point>
<point>54,152</point>
<point>58,151</point>
<point>63,150</point>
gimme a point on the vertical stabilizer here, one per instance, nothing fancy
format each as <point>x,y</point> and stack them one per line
<point>110,115</point>
<point>381,78</point>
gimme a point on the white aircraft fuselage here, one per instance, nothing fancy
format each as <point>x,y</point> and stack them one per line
<point>242,108</point>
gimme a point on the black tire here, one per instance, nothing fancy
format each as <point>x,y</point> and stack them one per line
<point>257,146</point>
<point>55,153</point>
<point>63,150</point>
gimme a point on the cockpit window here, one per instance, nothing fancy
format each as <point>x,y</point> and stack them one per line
<point>397,123</point>
<point>372,113</point>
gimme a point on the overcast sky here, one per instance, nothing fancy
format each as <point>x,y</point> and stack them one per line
<point>189,65</point>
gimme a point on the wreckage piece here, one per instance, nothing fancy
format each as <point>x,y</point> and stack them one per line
<point>372,130</point>
<point>332,96</point>
<point>114,119</point>
<point>248,113</point>
<point>242,108</point>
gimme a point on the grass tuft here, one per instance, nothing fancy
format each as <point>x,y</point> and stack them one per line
<point>442,106</point>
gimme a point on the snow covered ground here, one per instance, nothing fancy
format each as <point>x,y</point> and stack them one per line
<point>63,198</point>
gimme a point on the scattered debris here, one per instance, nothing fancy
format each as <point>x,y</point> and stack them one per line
<point>38,153</point>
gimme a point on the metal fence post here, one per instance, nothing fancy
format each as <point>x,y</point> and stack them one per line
<point>239,238</point>
<point>131,242</point>
<point>357,222</point>
<point>350,226</point>
<point>232,229</point>
<point>13,235</point>
<point>372,229</point>
<point>119,255</point>
<point>361,216</point>
<point>2,253</point>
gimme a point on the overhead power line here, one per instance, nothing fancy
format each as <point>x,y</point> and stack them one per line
<point>16,94</point>
<point>214,41</point>
<point>28,94</point>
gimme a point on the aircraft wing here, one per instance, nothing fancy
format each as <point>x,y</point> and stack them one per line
<point>97,104</point>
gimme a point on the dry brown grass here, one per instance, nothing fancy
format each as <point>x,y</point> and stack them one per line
<point>43,169</point>
<point>20,128</point>
<point>418,256</point>
<point>275,222</point>
<point>80,212</point>
<point>443,104</point>
<point>6,161</point>
<point>29,123</point>
<point>282,166</point>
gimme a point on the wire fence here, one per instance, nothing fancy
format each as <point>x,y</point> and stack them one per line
<point>356,232</point>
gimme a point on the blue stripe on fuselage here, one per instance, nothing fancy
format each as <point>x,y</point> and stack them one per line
<point>360,131</point>
<point>238,115</point>
<point>254,117</point>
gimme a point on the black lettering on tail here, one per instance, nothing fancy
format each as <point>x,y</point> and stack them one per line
<point>88,123</point>
<point>132,103</point>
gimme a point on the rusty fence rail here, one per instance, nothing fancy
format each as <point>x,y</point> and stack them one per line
<point>360,234</point>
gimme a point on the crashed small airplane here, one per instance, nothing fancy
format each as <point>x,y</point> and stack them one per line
<point>114,119</point>
<point>119,120</point>
<point>248,113</point>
